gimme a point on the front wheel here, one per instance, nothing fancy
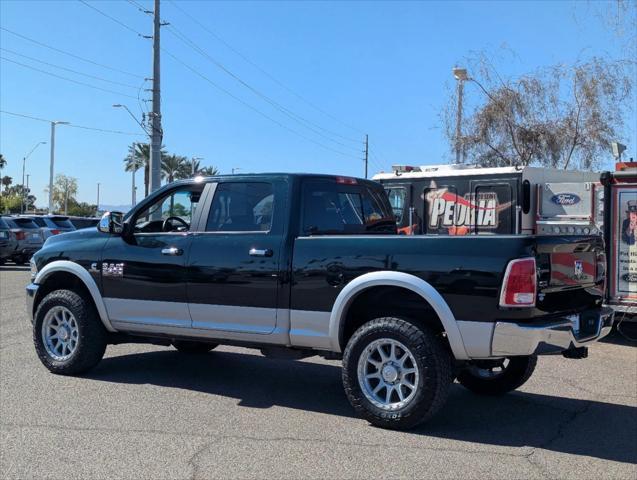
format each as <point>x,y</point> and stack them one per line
<point>497,377</point>
<point>68,334</point>
<point>396,374</point>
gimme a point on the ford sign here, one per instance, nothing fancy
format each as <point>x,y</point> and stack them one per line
<point>565,199</point>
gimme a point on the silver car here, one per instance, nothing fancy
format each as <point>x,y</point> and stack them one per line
<point>8,243</point>
<point>28,235</point>
<point>51,224</point>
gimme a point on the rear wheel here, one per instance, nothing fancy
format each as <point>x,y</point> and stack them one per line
<point>497,377</point>
<point>396,374</point>
<point>184,346</point>
<point>68,334</point>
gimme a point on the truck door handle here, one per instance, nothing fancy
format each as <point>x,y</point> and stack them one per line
<point>172,251</point>
<point>261,252</point>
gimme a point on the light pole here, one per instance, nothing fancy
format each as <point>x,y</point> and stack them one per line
<point>235,169</point>
<point>53,124</point>
<point>461,76</point>
<point>27,207</point>
<point>66,195</point>
<point>24,161</point>
<point>98,198</point>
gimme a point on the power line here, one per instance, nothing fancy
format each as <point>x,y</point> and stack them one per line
<point>263,71</point>
<point>103,130</point>
<point>299,119</point>
<point>70,54</point>
<point>246,104</point>
<point>69,69</point>
<point>110,17</point>
<point>67,79</point>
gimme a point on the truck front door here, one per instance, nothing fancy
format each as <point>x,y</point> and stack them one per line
<point>144,273</point>
<point>233,268</point>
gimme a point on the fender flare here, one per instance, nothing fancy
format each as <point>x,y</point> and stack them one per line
<point>403,280</point>
<point>81,273</point>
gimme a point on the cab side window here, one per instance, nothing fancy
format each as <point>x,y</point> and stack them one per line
<point>241,207</point>
<point>330,208</point>
<point>171,213</point>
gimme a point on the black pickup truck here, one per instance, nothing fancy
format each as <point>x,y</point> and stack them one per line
<point>301,265</point>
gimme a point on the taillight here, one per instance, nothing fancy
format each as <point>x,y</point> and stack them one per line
<point>20,235</point>
<point>55,232</point>
<point>519,287</point>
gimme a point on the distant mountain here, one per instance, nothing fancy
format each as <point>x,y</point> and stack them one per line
<point>114,208</point>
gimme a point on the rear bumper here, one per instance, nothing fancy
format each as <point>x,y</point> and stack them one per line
<point>510,339</point>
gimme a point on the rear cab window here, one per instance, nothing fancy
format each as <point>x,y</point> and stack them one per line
<point>331,207</point>
<point>241,207</point>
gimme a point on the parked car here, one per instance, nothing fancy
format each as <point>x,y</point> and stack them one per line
<point>84,222</point>
<point>302,265</point>
<point>8,243</point>
<point>51,224</point>
<point>28,236</point>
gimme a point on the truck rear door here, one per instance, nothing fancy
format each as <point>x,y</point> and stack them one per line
<point>233,268</point>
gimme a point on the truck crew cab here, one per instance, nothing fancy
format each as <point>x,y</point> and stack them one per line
<point>301,265</point>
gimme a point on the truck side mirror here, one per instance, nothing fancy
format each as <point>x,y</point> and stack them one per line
<point>112,222</point>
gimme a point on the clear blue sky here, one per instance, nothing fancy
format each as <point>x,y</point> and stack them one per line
<point>382,68</point>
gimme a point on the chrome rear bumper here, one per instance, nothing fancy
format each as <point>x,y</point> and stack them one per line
<point>533,339</point>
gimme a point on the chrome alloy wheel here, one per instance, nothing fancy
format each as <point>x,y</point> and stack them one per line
<point>388,374</point>
<point>60,334</point>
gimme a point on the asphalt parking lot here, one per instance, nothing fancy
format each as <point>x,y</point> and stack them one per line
<point>150,412</point>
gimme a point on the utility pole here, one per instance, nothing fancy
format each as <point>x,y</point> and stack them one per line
<point>27,194</point>
<point>24,161</point>
<point>53,124</point>
<point>156,137</point>
<point>366,153</point>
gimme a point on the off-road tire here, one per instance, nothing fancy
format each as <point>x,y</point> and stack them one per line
<point>517,372</point>
<point>434,362</point>
<point>193,348</point>
<point>92,336</point>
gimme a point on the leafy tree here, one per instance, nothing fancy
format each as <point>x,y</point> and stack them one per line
<point>561,117</point>
<point>64,191</point>
<point>3,162</point>
<point>10,203</point>
<point>22,192</point>
<point>81,209</point>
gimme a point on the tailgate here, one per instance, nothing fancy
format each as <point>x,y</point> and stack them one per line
<point>570,263</point>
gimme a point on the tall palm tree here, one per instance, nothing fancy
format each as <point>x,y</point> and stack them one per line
<point>138,157</point>
<point>6,181</point>
<point>3,162</point>
<point>198,169</point>
<point>208,171</point>
<point>174,167</point>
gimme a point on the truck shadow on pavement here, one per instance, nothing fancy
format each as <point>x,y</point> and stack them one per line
<point>520,419</point>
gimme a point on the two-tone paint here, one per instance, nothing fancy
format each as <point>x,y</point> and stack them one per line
<point>223,286</point>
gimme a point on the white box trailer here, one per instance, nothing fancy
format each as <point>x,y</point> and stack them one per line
<point>621,237</point>
<point>462,200</point>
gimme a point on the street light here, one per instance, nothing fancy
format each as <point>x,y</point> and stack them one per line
<point>236,169</point>
<point>24,161</point>
<point>461,76</point>
<point>53,124</point>
<point>119,105</point>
